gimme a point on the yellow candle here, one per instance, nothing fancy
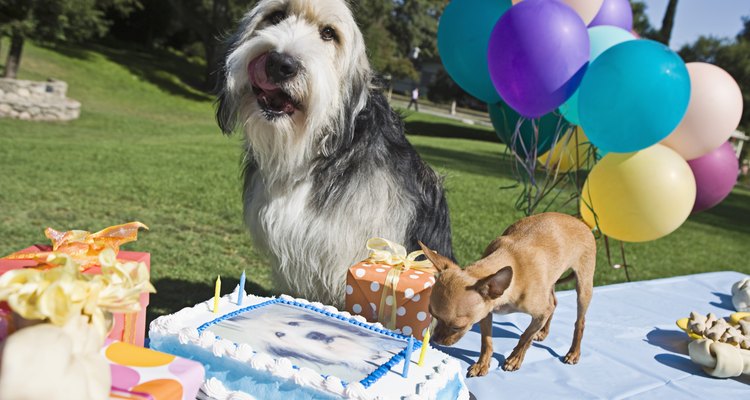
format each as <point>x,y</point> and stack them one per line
<point>425,344</point>
<point>217,292</point>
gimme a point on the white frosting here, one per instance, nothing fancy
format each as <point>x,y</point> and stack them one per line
<point>308,377</point>
<point>424,382</point>
<point>283,368</point>
<point>334,385</point>
<point>243,352</point>
<point>214,389</point>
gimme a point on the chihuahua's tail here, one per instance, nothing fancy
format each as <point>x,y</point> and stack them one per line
<point>567,278</point>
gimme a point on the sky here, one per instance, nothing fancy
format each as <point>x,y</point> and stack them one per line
<point>722,18</point>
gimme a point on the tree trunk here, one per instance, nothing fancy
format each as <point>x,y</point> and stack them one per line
<point>211,63</point>
<point>667,24</point>
<point>219,22</point>
<point>14,57</point>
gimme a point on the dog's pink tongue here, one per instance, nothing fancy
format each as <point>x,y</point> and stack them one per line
<point>256,70</point>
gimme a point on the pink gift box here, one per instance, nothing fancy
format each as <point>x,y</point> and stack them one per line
<point>128,327</point>
<point>140,373</point>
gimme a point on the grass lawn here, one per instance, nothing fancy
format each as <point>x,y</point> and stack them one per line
<point>147,148</point>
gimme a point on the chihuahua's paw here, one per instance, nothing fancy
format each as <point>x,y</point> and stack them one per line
<point>541,335</point>
<point>572,357</point>
<point>478,369</point>
<point>512,363</point>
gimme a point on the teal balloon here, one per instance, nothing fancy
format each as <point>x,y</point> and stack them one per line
<point>504,120</point>
<point>633,96</point>
<point>463,37</point>
<point>601,38</point>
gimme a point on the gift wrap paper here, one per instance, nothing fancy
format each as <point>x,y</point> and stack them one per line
<point>364,288</point>
<point>139,373</point>
<point>128,327</point>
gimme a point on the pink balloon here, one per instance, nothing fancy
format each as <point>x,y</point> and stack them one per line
<point>713,113</point>
<point>715,176</point>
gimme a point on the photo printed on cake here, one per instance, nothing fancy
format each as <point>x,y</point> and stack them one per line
<point>310,339</point>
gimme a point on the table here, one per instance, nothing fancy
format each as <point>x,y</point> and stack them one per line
<point>631,347</point>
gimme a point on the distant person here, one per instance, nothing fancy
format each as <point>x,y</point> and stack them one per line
<point>414,99</point>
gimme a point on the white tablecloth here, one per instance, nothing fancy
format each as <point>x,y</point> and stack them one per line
<point>631,346</point>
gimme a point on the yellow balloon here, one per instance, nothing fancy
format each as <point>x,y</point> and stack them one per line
<point>641,196</point>
<point>572,151</point>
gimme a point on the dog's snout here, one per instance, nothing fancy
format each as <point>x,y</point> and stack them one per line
<point>281,67</point>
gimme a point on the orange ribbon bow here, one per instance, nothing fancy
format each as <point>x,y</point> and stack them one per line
<point>82,246</point>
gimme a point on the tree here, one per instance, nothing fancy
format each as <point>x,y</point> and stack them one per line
<point>211,21</point>
<point>667,24</point>
<point>643,27</point>
<point>54,21</point>
<point>414,24</point>
<point>373,17</point>
<point>641,24</point>
<point>731,55</point>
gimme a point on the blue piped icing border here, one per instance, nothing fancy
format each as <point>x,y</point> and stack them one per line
<point>369,379</point>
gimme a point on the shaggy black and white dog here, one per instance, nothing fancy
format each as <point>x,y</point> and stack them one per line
<point>327,165</point>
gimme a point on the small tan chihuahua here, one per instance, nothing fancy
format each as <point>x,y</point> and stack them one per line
<point>517,273</point>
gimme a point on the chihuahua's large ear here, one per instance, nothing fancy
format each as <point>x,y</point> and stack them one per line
<point>442,263</point>
<point>495,285</point>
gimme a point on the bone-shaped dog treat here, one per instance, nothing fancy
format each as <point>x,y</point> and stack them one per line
<point>710,319</point>
<point>720,360</point>
<point>718,329</point>
<point>741,295</point>
<point>745,326</point>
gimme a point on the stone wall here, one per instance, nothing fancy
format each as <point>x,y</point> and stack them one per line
<point>39,101</point>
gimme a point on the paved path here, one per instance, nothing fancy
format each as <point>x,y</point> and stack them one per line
<point>467,118</point>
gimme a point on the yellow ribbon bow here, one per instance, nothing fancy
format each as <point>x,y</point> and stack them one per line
<point>82,246</point>
<point>383,251</point>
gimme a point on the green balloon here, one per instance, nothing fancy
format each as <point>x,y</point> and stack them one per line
<point>505,119</point>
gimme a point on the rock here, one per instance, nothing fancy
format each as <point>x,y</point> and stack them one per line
<point>37,100</point>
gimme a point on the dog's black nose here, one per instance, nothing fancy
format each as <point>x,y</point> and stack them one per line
<point>281,67</point>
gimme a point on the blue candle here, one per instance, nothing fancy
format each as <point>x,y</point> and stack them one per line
<point>241,289</point>
<point>407,356</point>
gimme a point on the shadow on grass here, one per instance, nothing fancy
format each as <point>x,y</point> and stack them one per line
<point>170,72</point>
<point>173,295</point>
<point>447,130</point>
<point>732,214</point>
<point>480,163</point>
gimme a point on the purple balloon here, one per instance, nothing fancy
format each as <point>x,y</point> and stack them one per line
<point>616,13</point>
<point>538,53</point>
<point>715,176</point>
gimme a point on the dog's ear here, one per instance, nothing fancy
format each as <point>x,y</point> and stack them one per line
<point>441,263</point>
<point>495,285</point>
<point>226,110</point>
<point>227,102</point>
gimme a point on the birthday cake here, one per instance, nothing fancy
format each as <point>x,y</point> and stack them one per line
<point>290,349</point>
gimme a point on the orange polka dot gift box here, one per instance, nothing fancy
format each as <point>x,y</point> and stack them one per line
<point>143,374</point>
<point>392,287</point>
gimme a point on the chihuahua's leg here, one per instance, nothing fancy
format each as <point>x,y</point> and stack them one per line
<point>482,366</point>
<point>513,362</point>
<point>584,289</point>
<point>542,334</point>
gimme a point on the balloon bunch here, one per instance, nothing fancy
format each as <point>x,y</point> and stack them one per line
<point>568,83</point>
